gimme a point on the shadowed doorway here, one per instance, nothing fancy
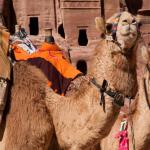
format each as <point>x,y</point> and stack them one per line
<point>34,26</point>
<point>9,15</point>
<point>82,66</point>
<point>82,39</point>
<point>61,30</point>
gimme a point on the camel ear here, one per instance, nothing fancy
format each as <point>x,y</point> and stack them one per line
<point>145,54</point>
<point>100,25</point>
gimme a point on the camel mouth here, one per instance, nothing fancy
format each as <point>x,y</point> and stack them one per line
<point>129,34</point>
<point>126,41</point>
<point>126,34</point>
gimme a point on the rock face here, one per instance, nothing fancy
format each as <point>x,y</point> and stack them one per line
<point>72,19</point>
<point>9,17</point>
<point>78,19</point>
<point>144,15</point>
<point>36,15</point>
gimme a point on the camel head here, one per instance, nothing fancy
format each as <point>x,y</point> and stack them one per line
<point>119,47</point>
<point>121,28</point>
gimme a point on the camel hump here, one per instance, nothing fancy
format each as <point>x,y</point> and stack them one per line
<point>25,74</point>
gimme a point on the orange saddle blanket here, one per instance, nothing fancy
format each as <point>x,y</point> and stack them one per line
<point>50,59</point>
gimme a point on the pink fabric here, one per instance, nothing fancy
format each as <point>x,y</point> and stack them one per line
<point>123,140</point>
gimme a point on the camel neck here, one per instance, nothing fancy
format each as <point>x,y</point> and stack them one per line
<point>119,71</point>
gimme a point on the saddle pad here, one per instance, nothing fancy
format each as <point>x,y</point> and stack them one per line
<point>50,59</point>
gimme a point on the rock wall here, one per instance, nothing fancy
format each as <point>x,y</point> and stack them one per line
<point>79,16</point>
<point>44,11</point>
<point>9,16</point>
<point>144,15</point>
<point>73,19</point>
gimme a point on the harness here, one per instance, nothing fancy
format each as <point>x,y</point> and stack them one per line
<point>118,97</point>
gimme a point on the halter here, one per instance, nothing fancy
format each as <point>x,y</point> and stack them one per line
<point>118,97</point>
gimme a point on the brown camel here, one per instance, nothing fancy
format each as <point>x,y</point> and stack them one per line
<point>28,125</point>
<point>79,121</point>
<point>140,133</point>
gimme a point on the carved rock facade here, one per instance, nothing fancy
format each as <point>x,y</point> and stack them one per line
<point>73,20</point>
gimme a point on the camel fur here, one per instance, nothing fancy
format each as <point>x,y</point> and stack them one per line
<point>78,119</point>
<point>28,123</point>
<point>139,118</point>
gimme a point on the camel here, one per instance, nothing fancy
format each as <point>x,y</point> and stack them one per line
<point>139,115</point>
<point>78,120</point>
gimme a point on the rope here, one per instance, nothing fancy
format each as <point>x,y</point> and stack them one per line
<point>131,125</point>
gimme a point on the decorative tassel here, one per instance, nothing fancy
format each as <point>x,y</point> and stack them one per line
<point>123,136</point>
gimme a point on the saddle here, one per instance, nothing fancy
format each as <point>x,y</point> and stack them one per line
<point>50,59</point>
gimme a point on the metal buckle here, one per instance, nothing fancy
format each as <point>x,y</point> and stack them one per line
<point>119,99</point>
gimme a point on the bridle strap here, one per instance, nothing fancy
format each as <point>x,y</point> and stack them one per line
<point>118,98</point>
